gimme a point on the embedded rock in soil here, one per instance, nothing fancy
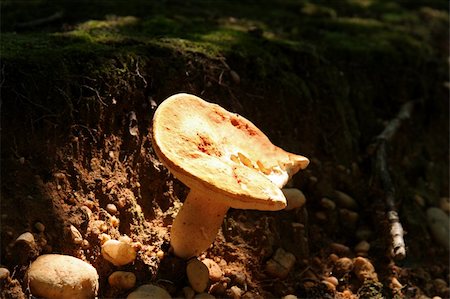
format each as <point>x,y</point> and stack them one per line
<point>118,253</point>
<point>215,273</point>
<point>280,264</point>
<point>439,224</point>
<point>122,280</point>
<point>56,276</point>
<point>198,275</point>
<point>149,291</point>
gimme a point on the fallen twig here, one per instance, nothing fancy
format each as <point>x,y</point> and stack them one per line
<point>398,250</point>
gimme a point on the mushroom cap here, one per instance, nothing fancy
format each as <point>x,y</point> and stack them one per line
<point>221,153</point>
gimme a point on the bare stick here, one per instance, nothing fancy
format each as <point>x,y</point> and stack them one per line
<point>398,250</point>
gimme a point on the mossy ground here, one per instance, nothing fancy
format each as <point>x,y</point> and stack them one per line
<point>319,77</point>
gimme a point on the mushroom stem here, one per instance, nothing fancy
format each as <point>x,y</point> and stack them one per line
<point>196,225</point>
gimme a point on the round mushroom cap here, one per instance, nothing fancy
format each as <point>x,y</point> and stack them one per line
<point>221,153</point>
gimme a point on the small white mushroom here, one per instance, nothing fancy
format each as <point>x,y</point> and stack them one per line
<point>224,159</point>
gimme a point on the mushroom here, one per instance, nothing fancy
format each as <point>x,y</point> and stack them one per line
<point>224,159</point>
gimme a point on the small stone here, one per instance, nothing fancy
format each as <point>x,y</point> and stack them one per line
<point>345,201</point>
<point>419,200</point>
<point>280,264</point>
<point>340,249</point>
<point>290,297</point>
<point>332,280</point>
<point>39,227</point>
<point>118,253</point>
<point>75,235</point>
<point>343,266</point>
<point>149,291</point>
<point>321,216</point>
<point>363,233</point>
<point>218,288</point>
<point>111,208</point>
<point>198,275</point>
<point>26,238</point>
<point>188,292</point>
<point>235,77</point>
<point>234,292</point>
<point>362,247</point>
<point>122,280</point>
<point>364,270</point>
<point>56,276</point>
<point>111,154</point>
<point>85,244</point>
<point>204,296</point>
<point>294,197</point>
<point>329,285</point>
<point>87,211</point>
<point>348,217</point>
<point>4,273</point>
<point>327,203</point>
<point>444,204</point>
<point>439,224</point>
<point>215,273</point>
<point>114,221</point>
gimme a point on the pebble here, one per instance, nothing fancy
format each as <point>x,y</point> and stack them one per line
<point>345,201</point>
<point>348,217</point>
<point>149,291</point>
<point>218,288</point>
<point>419,200</point>
<point>111,208</point>
<point>215,273</point>
<point>26,238</point>
<point>439,224</point>
<point>39,227</point>
<point>4,273</point>
<point>56,276</point>
<point>333,280</point>
<point>197,274</point>
<point>340,249</point>
<point>327,203</point>
<point>363,233</point>
<point>188,292</point>
<point>290,297</point>
<point>119,253</point>
<point>362,247</point>
<point>114,221</point>
<point>444,204</point>
<point>235,77</point>
<point>280,264</point>
<point>122,280</point>
<point>294,197</point>
<point>364,270</point>
<point>234,292</point>
<point>321,216</point>
<point>75,235</point>
<point>329,285</point>
<point>204,296</point>
<point>343,266</point>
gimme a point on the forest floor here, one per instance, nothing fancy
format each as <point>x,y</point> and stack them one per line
<point>81,81</point>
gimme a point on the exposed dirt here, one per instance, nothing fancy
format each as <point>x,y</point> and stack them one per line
<point>63,170</point>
